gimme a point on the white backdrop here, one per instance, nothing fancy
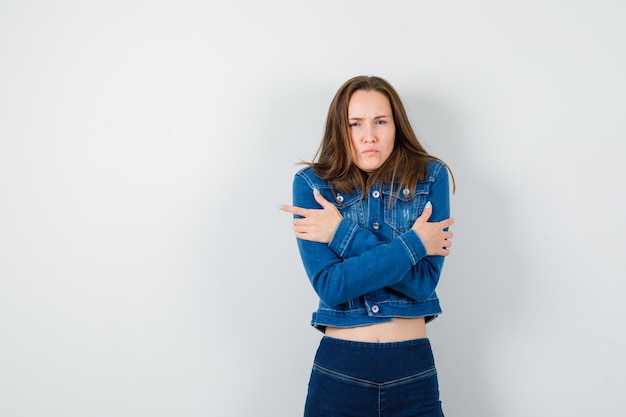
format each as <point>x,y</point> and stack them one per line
<point>145,269</point>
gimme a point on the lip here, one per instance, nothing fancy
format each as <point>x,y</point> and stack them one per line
<point>370,151</point>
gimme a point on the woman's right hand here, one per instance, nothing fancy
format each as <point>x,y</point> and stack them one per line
<point>435,239</point>
<point>316,225</point>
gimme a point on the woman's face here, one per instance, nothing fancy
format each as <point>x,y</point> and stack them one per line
<point>372,129</point>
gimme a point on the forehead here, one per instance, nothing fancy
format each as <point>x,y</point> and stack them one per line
<point>367,102</point>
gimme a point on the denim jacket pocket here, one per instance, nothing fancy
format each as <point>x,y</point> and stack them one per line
<point>405,211</point>
<point>347,205</point>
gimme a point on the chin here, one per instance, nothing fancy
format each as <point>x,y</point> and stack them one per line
<point>369,166</point>
<point>369,169</point>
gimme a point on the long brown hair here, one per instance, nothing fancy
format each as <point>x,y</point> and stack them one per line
<point>407,164</point>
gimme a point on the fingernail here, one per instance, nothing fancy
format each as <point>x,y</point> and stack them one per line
<point>280,207</point>
<point>428,205</point>
<point>316,190</point>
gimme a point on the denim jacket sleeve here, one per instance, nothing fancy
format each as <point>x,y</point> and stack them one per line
<point>422,279</point>
<point>355,262</point>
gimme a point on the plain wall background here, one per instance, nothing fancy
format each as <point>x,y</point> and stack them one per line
<point>145,269</point>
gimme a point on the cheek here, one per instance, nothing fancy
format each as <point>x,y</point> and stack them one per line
<point>390,147</point>
<point>353,152</point>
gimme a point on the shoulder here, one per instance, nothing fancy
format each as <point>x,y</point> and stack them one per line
<point>436,170</point>
<point>304,182</point>
<point>307,176</point>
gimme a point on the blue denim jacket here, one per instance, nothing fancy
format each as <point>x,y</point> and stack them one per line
<point>375,268</point>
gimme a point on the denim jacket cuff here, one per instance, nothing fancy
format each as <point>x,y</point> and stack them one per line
<point>413,245</point>
<point>342,237</point>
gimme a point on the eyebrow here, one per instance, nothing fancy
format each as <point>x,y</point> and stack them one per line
<point>382,116</point>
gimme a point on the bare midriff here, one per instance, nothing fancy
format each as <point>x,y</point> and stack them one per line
<point>397,330</point>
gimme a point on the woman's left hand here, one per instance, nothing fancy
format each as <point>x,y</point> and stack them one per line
<point>317,225</point>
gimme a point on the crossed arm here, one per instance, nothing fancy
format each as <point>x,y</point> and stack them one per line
<point>341,269</point>
<point>319,225</point>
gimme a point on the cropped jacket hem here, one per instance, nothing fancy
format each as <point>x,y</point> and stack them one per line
<point>375,267</point>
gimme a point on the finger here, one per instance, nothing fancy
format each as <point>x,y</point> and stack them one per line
<point>294,210</point>
<point>299,229</point>
<point>428,210</point>
<point>441,252</point>
<point>446,223</point>
<point>286,207</point>
<point>305,236</point>
<point>320,198</point>
<point>300,221</point>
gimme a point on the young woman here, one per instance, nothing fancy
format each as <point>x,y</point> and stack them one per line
<point>371,217</point>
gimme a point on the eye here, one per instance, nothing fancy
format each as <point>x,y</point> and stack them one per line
<point>354,124</point>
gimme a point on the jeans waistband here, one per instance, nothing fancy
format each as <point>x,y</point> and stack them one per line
<point>376,345</point>
<point>375,361</point>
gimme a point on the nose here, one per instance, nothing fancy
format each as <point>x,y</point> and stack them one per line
<point>368,134</point>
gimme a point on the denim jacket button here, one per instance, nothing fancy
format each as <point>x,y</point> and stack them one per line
<point>375,309</point>
<point>376,226</point>
<point>406,192</point>
<point>376,194</point>
<point>339,198</point>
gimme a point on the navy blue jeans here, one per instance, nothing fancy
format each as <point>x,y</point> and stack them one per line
<point>356,379</point>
